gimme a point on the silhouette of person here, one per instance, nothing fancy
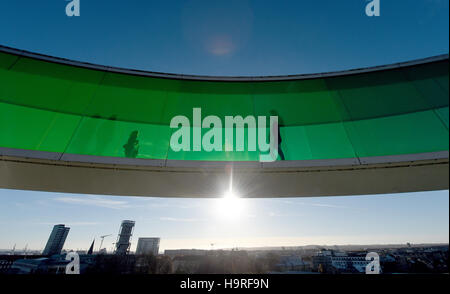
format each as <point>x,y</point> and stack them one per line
<point>131,148</point>
<point>277,126</point>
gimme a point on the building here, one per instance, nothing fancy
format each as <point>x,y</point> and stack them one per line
<point>188,264</point>
<point>322,259</point>
<point>183,252</point>
<point>124,237</point>
<point>350,263</point>
<point>148,246</point>
<point>56,240</point>
<point>334,261</point>
<point>103,251</point>
<point>55,264</point>
<point>292,263</point>
<point>43,265</point>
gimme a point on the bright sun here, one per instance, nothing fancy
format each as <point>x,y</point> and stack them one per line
<point>230,206</point>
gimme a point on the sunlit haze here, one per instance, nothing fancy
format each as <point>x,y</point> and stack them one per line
<point>226,222</point>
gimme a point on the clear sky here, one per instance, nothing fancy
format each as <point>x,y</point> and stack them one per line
<point>233,37</point>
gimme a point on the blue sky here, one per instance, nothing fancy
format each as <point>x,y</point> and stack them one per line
<point>234,37</point>
<point>28,217</point>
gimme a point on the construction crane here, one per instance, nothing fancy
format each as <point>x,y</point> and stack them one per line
<point>101,243</point>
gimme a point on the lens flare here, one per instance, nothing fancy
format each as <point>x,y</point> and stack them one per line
<point>230,207</point>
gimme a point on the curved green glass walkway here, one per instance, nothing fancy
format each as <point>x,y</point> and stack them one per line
<point>64,113</point>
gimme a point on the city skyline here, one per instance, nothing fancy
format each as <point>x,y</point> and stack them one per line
<point>198,223</point>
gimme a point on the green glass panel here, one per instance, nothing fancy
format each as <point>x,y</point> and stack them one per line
<point>425,80</point>
<point>378,94</point>
<point>7,60</point>
<point>295,144</point>
<point>404,134</point>
<point>311,103</point>
<point>129,98</point>
<point>56,71</point>
<point>18,86</point>
<point>104,137</point>
<point>443,115</point>
<point>53,107</point>
<point>220,105</point>
<point>34,129</point>
<point>245,155</point>
<point>329,141</point>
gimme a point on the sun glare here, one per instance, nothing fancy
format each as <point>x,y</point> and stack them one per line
<point>230,206</point>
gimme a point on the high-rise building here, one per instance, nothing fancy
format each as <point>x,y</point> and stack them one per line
<point>124,237</point>
<point>56,240</point>
<point>147,246</point>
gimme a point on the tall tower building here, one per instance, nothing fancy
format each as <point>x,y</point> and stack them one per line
<point>56,240</point>
<point>124,237</point>
<point>147,246</point>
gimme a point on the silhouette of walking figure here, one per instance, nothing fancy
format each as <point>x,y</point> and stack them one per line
<point>131,148</point>
<point>277,126</point>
